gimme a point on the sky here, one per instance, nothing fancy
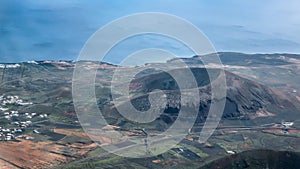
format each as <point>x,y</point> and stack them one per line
<point>57,30</point>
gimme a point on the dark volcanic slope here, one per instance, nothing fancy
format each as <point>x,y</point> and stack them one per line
<point>253,98</point>
<point>245,99</point>
<point>256,159</point>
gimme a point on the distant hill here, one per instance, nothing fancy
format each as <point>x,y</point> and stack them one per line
<point>242,59</point>
<point>255,159</point>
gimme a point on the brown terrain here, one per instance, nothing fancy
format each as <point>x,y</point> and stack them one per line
<point>30,154</point>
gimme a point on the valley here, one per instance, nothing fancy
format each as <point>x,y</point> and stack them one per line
<point>36,103</point>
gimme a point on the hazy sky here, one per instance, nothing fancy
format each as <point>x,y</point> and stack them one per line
<point>55,29</point>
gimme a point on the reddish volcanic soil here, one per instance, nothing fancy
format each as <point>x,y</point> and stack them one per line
<point>30,154</point>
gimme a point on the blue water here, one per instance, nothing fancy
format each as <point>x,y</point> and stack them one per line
<point>57,30</point>
<point>39,32</point>
<point>49,31</point>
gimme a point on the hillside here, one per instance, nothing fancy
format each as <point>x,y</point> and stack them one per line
<point>38,100</point>
<point>245,99</point>
<point>258,159</point>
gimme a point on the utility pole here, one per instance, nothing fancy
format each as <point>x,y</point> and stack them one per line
<point>146,141</point>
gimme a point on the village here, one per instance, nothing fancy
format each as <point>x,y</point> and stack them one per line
<point>14,123</point>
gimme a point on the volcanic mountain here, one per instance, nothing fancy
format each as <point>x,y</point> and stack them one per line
<point>245,99</point>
